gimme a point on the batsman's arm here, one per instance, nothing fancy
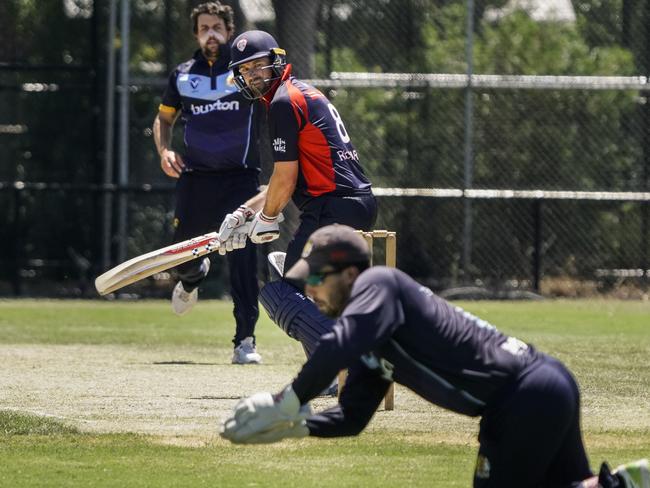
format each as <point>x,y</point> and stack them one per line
<point>256,203</point>
<point>276,195</point>
<point>266,206</point>
<point>265,226</point>
<point>281,186</point>
<point>232,234</point>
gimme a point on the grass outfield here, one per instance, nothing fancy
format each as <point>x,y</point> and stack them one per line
<point>126,394</point>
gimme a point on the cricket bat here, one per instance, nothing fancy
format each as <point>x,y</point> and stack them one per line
<point>146,265</point>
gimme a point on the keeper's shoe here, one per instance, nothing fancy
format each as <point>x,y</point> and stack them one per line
<point>183,301</point>
<point>245,353</point>
<point>635,474</point>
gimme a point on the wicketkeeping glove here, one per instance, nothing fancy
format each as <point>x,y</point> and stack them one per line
<point>264,228</point>
<point>296,431</point>
<point>264,418</point>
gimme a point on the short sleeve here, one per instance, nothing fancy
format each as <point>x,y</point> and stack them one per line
<point>171,100</point>
<point>284,129</point>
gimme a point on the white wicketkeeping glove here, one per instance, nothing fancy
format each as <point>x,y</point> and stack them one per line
<point>264,418</point>
<point>264,228</point>
<point>233,231</point>
<point>295,431</point>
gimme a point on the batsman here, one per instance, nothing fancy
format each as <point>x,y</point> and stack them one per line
<point>315,165</point>
<point>391,328</point>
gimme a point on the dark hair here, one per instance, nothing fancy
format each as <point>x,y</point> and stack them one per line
<point>213,8</point>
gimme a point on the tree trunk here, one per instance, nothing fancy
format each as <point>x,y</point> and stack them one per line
<point>242,23</point>
<point>8,36</point>
<point>295,22</point>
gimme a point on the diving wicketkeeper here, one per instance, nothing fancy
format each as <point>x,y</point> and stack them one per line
<point>391,328</point>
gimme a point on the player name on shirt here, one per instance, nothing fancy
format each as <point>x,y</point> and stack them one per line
<point>347,155</point>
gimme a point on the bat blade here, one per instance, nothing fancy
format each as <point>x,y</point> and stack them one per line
<point>146,265</point>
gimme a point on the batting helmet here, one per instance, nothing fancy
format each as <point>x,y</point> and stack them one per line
<point>253,45</point>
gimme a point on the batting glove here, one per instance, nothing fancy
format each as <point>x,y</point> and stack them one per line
<point>264,228</point>
<point>237,239</point>
<point>234,220</point>
<point>233,231</point>
<point>266,418</point>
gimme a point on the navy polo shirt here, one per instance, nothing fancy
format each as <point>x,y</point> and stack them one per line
<point>220,126</point>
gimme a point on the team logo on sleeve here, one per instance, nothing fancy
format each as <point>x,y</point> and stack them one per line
<point>514,346</point>
<point>279,145</point>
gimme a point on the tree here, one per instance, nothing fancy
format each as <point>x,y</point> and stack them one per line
<point>296,30</point>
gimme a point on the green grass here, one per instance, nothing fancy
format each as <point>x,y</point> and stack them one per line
<point>15,423</point>
<point>606,344</point>
<point>125,323</point>
<point>149,322</point>
<point>131,460</point>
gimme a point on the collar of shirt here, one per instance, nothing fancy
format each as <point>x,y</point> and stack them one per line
<point>286,74</point>
<point>222,59</point>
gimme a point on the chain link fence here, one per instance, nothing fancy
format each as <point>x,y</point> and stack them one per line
<point>508,148</point>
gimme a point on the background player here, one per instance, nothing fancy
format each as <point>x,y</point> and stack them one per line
<point>393,329</point>
<point>316,165</point>
<point>219,168</point>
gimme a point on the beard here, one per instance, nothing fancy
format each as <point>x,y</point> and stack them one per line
<point>328,311</point>
<point>259,87</point>
<point>211,49</point>
<point>336,303</point>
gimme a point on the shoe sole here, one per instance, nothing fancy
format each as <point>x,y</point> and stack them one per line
<point>245,363</point>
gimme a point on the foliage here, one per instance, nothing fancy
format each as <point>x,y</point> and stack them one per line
<point>523,139</point>
<point>406,136</point>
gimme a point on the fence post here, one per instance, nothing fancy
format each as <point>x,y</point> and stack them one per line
<point>109,121</point>
<point>17,248</point>
<point>537,244</point>
<point>645,233</point>
<point>123,138</point>
<point>645,183</point>
<point>468,163</point>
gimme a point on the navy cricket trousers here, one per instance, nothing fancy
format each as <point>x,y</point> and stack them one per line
<point>202,202</point>
<point>531,436</point>
<point>359,212</point>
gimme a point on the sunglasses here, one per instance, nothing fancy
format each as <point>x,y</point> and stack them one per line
<point>316,279</point>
